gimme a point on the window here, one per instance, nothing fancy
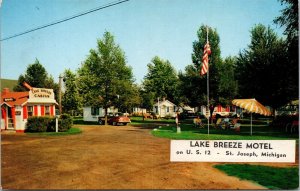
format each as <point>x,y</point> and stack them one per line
<point>168,109</point>
<point>47,110</point>
<point>30,111</point>
<point>94,110</point>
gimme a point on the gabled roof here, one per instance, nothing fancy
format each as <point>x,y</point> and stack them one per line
<point>14,98</point>
<point>165,102</point>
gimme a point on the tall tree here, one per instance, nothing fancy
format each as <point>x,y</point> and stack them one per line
<point>147,99</point>
<point>51,84</point>
<point>261,69</point>
<point>128,96</point>
<point>192,87</point>
<point>289,19</point>
<point>71,100</point>
<point>37,76</point>
<point>228,87</point>
<point>161,79</point>
<point>104,74</point>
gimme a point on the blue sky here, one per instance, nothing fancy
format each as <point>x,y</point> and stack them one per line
<point>142,28</point>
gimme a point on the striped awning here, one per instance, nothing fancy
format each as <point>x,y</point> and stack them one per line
<point>252,106</point>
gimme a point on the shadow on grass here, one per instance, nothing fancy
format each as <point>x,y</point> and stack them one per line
<point>81,122</point>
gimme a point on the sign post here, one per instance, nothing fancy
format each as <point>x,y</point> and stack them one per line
<point>177,123</point>
<point>56,124</point>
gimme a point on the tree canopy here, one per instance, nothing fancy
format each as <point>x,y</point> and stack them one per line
<point>161,79</point>
<point>71,99</point>
<point>37,76</point>
<point>289,19</point>
<point>104,79</point>
<point>261,69</point>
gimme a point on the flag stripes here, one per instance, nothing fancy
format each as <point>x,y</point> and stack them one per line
<point>207,52</point>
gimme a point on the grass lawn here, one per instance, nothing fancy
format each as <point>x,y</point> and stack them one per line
<point>270,177</point>
<point>71,131</point>
<point>260,132</point>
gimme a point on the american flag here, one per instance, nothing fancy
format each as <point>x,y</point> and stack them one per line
<point>207,52</point>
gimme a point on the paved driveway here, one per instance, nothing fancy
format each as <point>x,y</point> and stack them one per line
<point>104,158</point>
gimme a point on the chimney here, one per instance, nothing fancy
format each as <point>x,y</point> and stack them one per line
<point>5,91</point>
<point>27,86</point>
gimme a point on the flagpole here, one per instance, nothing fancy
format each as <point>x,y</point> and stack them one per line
<point>207,85</point>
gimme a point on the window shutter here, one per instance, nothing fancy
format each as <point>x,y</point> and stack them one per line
<point>25,114</point>
<point>42,110</point>
<point>35,110</point>
<point>52,110</point>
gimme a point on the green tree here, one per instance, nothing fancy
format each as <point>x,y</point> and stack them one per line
<point>19,87</point>
<point>147,99</point>
<point>228,87</point>
<point>37,76</point>
<point>49,83</point>
<point>289,19</point>
<point>261,69</point>
<point>104,75</point>
<point>71,100</point>
<point>161,79</point>
<point>128,96</point>
<point>192,88</point>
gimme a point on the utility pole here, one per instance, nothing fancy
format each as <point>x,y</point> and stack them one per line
<point>60,107</point>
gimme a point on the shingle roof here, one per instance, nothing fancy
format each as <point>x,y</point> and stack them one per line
<point>18,98</point>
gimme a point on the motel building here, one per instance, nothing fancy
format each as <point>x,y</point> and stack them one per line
<point>16,107</point>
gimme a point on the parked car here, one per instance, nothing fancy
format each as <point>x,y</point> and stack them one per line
<point>115,119</point>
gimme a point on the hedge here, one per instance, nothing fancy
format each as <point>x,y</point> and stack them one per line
<point>39,124</point>
<point>65,122</point>
<point>47,124</point>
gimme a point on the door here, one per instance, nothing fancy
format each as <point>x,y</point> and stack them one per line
<point>10,120</point>
<point>3,117</point>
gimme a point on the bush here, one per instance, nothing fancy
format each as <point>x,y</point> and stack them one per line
<point>43,124</point>
<point>39,124</point>
<point>65,122</point>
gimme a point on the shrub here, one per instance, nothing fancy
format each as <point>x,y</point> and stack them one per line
<point>38,124</point>
<point>43,124</point>
<point>65,122</point>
